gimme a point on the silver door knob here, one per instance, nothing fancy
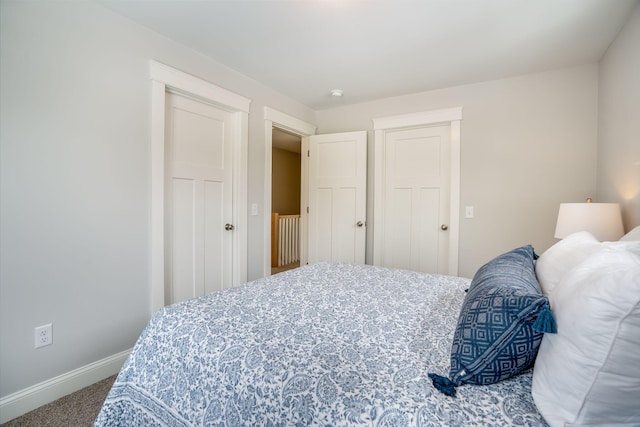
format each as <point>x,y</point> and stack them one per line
<point>444,227</point>
<point>359,223</point>
<point>229,227</point>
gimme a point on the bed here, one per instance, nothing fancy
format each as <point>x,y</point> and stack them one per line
<point>553,341</point>
<point>325,344</point>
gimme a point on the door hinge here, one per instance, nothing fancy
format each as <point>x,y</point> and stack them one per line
<point>308,154</point>
<point>307,209</point>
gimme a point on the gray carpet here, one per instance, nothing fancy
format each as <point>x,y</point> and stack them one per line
<point>77,409</point>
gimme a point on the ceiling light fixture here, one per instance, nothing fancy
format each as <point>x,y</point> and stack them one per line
<point>337,93</point>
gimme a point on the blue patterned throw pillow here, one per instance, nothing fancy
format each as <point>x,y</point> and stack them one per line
<point>501,323</point>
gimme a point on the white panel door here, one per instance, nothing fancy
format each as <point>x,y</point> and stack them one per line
<point>416,199</point>
<point>337,197</point>
<point>198,252</point>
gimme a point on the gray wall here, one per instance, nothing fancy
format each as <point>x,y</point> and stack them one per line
<point>527,144</point>
<point>75,181</point>
<point>619,123</point>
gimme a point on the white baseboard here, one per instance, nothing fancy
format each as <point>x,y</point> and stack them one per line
<point>30,398</point>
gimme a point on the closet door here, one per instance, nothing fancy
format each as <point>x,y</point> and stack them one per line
<point>416,199</point>
<point>198,196</point>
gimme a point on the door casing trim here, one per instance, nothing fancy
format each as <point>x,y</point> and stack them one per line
<point>165,78</point>
<point>445,116</point>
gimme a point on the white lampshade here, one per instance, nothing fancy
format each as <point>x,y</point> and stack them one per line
<point>603,220</point>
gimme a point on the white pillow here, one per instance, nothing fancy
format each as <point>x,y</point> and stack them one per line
<point>556,261</point>
<point>589,372</point>
<point>632,236</point>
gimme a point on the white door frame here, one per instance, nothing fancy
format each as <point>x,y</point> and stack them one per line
<point>274,118</point>
<point>447,116</point>
<point>164,78</point>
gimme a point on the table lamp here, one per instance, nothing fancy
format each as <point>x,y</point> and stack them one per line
<point>603,220</point>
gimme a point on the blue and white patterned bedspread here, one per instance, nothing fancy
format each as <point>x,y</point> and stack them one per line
<point>326,344</point>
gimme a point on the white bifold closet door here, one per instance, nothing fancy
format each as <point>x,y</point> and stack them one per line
<point>198,198</point>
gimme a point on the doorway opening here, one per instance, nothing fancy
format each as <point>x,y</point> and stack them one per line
<point>286,196</point>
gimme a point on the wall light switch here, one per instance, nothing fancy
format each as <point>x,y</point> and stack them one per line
<point>254,209</point>
<point>468,213</point>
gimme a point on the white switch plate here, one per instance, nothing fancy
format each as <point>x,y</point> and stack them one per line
<point>254,209</point>
<point>468,213</point>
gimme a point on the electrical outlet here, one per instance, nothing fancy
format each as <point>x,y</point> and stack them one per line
<point>43,335</point>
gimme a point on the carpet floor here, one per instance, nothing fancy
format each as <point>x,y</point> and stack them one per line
<point>77,409</point>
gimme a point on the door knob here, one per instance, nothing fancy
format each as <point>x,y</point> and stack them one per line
<point>359,223</point>
<point>444,227</point>
<point>229,227</point>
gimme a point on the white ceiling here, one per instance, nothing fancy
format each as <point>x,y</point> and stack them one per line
<point>376,49</point>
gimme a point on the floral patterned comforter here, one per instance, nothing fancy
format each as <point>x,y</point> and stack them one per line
<point>326,344</point>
